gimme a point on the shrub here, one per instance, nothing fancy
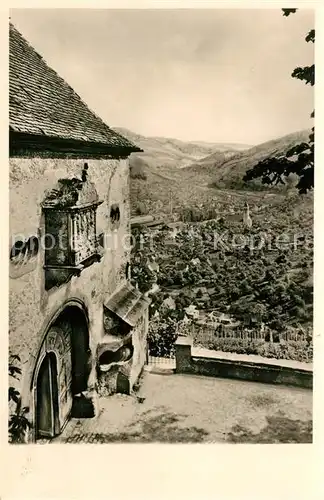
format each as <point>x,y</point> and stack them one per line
<point>239,346</point>
<point>294,350</point>
<point>141,209</point>
<point>161,337</point>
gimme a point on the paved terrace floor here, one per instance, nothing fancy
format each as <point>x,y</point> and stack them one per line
<point>173,408</point>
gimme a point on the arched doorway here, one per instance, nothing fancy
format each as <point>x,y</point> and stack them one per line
<point>62,370</point>
<point>47,409</point>
<point>73,322</point>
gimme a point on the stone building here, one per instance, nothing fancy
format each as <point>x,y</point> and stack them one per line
<point>77,324</point>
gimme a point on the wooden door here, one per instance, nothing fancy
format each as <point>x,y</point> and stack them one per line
<point>47,398</point>
<point>58,340</point>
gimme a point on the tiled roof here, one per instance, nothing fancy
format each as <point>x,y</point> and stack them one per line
<point>42,103</point>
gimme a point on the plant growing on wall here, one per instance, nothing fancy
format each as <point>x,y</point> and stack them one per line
<point>18,424</point>
<point>142,276</point>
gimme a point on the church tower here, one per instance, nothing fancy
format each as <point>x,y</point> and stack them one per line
<point>247,221</point>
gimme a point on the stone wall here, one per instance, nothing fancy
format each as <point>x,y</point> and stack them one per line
<point>266,372</point>
<point>139,340</point>
<point>32,308</point>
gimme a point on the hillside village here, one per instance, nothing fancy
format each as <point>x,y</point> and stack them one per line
<point>260,285</point>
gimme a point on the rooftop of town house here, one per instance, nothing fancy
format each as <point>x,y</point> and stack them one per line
<point>42,104</point>
<point>141,219</point>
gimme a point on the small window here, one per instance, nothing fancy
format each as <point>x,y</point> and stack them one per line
<point>23,251</point>
<point>101,240</point>
<point>23,257</point>
<point>115,215</point>
<point>127,271</point>
<point>32,246</point>
<point>17,250</point>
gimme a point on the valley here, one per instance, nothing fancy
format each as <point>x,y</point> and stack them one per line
<point>263,274</point>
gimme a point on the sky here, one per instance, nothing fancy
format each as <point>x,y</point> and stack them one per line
<point>206,75</point>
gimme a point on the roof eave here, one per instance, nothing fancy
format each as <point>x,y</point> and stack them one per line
<point>24,144</point>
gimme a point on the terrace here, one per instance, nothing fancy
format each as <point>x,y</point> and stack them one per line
<point>178,408</point>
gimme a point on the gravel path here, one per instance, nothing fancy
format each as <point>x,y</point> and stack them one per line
<point>185,408</point>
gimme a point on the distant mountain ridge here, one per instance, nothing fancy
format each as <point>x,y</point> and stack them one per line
<point>227,171</point>
<point>168,152</point>
<point>153,185</point>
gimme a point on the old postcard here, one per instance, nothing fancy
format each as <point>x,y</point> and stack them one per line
<point>161,229</point>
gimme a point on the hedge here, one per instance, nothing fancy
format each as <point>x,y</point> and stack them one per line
<point>298,351</point>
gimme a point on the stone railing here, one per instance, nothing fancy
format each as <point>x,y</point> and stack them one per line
<point>244,367</point>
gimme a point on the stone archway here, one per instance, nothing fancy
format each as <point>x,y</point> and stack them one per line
<point>62,370</point>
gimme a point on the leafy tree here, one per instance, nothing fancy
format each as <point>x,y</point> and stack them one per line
<point>277,325</point>
<point>161,338</point>
<point>156,303</point>
<point>234,293</point>
<point>299,160</point>
<point>259,311</point>
<point>141,209</point>
<point>299,313</point>
<point>182,301</point>
<point>245,286</point>
<point>142,276</point>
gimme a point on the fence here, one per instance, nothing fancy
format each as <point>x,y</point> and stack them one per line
<point>209,331</point>
<point>162,362</point>
<point>204,334</point>
<point>295,335</point>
